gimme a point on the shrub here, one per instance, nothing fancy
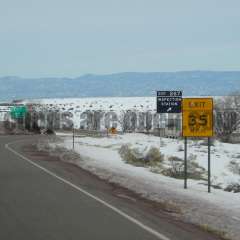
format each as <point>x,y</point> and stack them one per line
<point>233,187</point>
<point>176,168</point>
<point>131,156</point>
<point>234,167</point>
<point>135,157</point>
<point>227,121</point>
<point>154,156</point>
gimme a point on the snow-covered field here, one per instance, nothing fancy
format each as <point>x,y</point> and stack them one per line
<point>116,104</point>
<point>77,106</point>
<point>119,106</point>
<point>219,210</point>
<point>221,153</point>
<point>105,104</point>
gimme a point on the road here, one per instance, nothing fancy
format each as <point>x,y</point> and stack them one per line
<point>40,200</point>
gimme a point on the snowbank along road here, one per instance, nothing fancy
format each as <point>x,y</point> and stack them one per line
<point>48,200</point>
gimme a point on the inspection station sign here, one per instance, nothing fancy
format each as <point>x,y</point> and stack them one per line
<point>169,101</point>
<point>197,117</point>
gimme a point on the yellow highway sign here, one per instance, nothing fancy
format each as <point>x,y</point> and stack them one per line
<point>197,117</point>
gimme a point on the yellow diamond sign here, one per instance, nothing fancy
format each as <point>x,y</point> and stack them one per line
<point>197,117</point>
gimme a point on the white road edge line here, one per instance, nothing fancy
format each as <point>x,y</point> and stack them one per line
<point>116,210</point>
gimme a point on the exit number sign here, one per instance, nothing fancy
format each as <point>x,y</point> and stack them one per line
<point>197,117</point>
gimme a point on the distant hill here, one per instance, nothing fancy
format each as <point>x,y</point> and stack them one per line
<point>121,84</point>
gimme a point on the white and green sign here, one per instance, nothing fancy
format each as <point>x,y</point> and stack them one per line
<point>18,112</point>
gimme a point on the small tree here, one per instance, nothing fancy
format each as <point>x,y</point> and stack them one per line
<point>227,116</point>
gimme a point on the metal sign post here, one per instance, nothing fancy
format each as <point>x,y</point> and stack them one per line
<point>209,165</point>
<point>185,162</point>
<point>197,121</point>
<point>73,135</point>
<point>160,143</point>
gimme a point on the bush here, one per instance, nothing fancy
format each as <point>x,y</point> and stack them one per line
<point>135,157</point>
<point>233,187</point>
<point>131,156</point>
<point>234,167</point>
<point>227,121</point>
<point>154,156</point>
<point>176,168</point>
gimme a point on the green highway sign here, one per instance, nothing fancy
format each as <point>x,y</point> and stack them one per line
<point>18,112</point>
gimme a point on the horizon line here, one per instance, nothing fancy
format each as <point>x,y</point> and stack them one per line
<point>118,73</point>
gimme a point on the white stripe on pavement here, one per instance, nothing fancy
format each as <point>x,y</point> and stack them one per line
<point>116,210</point>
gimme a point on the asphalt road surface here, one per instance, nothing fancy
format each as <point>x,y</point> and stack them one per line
<point>41,201</point>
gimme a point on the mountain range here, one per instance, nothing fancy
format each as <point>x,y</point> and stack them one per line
<point>121,85</point>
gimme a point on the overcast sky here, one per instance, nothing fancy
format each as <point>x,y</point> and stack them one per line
<point>40,38</point>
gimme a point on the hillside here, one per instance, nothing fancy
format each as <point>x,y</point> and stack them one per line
<point>121,84</point>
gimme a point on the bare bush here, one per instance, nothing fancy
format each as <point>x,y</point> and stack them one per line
<point>137,158</point>
<point>131,155</point>
<point>233,187</point>
<point>176,168</point>
<point>154,156</point>
<point>227,116</point>
<point>234,166</point>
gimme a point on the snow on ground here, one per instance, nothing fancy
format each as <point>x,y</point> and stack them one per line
<point>105,104</point>
<point>219,210</point>
<point>221,153</point>
<point>118,105</point>
<point>77,106</point>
